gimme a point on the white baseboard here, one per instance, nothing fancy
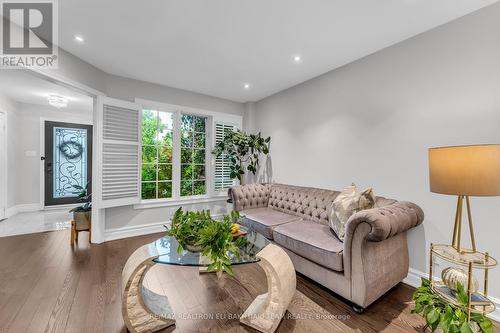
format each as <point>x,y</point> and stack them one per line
<point>414,279</point>
<point>138,230</point>
<point>132,231</point>
<point>34,207</point>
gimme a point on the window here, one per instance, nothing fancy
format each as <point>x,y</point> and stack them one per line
<point>176,161</point>
<point>222,171</point>
<point>193,144</point>
<point>157,151</point>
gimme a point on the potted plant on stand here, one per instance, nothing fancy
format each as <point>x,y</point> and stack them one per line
<point>243,151</point>
<point>82,214</point>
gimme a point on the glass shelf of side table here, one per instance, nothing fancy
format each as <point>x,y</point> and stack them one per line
<point>478,302</point>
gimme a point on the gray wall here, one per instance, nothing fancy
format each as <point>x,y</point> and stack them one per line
<point>129,89</point>
<point>23,130</point>
<point>9,106</point>
<point>371,122</point>
<point>77,70</point>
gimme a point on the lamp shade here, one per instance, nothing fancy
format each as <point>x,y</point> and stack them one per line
<point>465,170</point>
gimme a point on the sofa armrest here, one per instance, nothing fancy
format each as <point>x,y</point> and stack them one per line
<point>387,221</point>
<point>376,250</point>
<point>249,196</point>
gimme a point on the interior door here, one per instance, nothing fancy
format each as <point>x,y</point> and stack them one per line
<point>3,166</point>
<point>68,161</point>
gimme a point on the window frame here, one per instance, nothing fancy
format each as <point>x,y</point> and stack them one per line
<point>212,118</point>
<point>157,148</point>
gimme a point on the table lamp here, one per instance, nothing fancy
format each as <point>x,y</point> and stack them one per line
<point>465,171</point>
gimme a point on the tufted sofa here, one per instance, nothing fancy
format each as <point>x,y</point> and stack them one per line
<point>373,257</point>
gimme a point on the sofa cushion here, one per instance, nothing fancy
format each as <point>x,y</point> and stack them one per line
<point>263,220</point>
<point>313,241</point>
<point>350,201</point>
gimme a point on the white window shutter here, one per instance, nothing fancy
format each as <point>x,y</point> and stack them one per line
<point>222,179</point>
<point>120,134</point>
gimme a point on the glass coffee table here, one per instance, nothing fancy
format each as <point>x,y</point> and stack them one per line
<point>166,248</point>
<point>146,311</point>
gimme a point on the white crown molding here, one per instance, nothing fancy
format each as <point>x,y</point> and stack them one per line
<point>414,278</point>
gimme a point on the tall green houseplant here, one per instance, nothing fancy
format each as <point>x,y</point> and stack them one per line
<point>243,151</point>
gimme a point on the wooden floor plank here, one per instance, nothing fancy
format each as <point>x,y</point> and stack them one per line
<point>47,286</point>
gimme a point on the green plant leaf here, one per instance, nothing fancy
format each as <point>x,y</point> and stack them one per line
<point>425,282</point>
<point>486,325</point>
<point>432,316</point>
<point>465,328</point>
<point>462,296</point>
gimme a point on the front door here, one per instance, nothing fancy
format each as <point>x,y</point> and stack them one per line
<point>68,161</point>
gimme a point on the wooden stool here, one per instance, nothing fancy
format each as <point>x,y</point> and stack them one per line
<point>75,231</point>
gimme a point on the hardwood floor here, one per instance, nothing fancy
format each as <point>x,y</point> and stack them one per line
<point>45,286</point>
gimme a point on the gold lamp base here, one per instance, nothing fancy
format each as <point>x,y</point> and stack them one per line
<point>457,228</point>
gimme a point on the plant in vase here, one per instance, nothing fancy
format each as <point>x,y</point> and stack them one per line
<point>448,317</point>
<point>185,227</point>
<point>243,151</point>
<point>82,214</point>
<point>199,232</point>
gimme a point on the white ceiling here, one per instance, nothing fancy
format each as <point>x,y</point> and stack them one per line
<point>216,46</point>
<point>24,87</point>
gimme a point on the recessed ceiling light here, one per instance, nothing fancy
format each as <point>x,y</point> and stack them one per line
<point>58,101</point>
<point>297,58</point>
<point>247,85</point>
<point>79,39</point>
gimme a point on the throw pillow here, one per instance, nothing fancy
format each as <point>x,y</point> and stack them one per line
<point>348,202</point>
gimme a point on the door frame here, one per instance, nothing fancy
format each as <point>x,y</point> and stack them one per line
<point>77,120</point>
<point>98,213</point>
<point>5,174</point>
<point>74,200</point>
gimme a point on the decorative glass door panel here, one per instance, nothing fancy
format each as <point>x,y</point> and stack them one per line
<point>68,161</point>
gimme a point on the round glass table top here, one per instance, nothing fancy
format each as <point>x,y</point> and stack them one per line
<point>167,251</point>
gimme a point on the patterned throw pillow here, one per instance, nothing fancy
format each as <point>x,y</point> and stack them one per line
<point>348,202</point>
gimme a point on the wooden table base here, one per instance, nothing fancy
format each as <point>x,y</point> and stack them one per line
<point>143,310</point>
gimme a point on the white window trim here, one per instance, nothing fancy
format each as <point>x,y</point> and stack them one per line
<point>213,116</point>
<point>159,203</point>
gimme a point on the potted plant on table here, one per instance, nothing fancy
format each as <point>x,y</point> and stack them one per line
<point>446,317</point>
<point>199,232</point>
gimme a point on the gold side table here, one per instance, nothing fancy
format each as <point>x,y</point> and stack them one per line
<point>477,302</point>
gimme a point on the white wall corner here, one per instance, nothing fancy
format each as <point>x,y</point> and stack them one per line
<point>249,117</point>
<point>414,279</point>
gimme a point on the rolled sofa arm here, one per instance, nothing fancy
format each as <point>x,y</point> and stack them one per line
<point>249,196</point>
<point>387,221</point>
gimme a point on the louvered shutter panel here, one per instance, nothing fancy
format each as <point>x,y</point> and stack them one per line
<point>222,172</point>
<point>120,173</point>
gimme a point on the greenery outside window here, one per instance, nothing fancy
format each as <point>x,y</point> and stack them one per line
<point>176,160</point>
<point>193,153</point>
<point>157,151</point>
